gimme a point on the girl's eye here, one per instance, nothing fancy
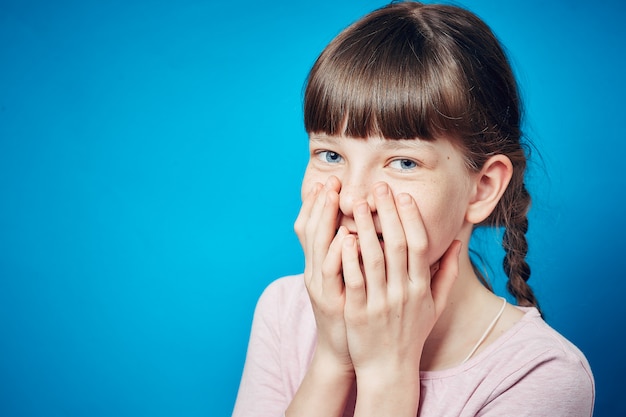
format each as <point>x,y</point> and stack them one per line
<point>403,164</point>
<point>330,157</point>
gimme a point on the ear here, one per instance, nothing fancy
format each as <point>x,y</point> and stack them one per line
<point>489,186</point>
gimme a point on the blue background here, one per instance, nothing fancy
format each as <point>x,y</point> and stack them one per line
<point>150,162</point>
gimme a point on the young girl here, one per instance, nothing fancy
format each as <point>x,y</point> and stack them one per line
<point>413,117</point>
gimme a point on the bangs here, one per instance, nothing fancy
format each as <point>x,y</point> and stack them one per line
<point>385,77</point>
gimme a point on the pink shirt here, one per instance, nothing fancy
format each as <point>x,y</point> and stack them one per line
<point>531,370</point>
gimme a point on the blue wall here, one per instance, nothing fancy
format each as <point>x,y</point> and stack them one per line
<point>150,161</point>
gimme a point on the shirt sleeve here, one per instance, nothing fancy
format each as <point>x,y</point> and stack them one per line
<point>261,391</point>
<point>554,384</point>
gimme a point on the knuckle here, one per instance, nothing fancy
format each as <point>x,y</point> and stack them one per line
<point>298,226</point>
<point>419,248</point>
<point>354,317</point>
<point>354,284</point>
<point>399,296</point>
<point>419,289</point>
<point>381,309</point>
<point>376,262</point>
<point>397,246</point>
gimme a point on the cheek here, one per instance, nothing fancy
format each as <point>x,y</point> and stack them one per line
<point>442,229</point>
<point>443,214</point>
<point>309,180</point>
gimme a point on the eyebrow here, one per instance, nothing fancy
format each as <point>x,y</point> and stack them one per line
<point>400,144</point>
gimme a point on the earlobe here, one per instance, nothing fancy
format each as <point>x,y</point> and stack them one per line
<point>490,184</point>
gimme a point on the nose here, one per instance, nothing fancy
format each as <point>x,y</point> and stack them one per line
<point>355,189</point>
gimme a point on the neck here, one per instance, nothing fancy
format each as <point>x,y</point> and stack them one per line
<point>471,307</point>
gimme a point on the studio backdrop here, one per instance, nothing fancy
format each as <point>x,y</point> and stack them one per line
<point>151,154</point>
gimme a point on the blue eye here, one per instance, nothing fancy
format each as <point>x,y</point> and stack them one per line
<point>403,164</point>
<point>330,157</point>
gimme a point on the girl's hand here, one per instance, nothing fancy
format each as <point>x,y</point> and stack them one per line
<point>316,226</point>
<point>392,301</point>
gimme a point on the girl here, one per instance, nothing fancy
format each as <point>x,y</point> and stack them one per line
<point>413,117</point>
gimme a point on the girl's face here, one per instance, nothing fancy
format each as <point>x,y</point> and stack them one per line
<point>432,172</point>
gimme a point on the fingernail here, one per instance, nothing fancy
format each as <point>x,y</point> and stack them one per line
<point>404,199</point>
<point>349,241</point>
<point>381,190</point>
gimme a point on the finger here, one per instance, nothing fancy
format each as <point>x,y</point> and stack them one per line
<point>300,227</point>
<point>356,297</point>
<point>332,282</point>
<point>395,246</point>
<point>324,219</point>
<point>445,277</point>
<point>305,212</point>
<point>416,238</point>
<point>371,252</point>
<point>312,220</point>
<point>319,232</point>
<point>317,205</point>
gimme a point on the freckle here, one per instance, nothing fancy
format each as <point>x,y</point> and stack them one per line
<point>448,156</point>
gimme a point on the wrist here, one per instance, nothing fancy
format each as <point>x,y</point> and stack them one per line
<point>324,390</point>
<point>328,366</point>
<point>396,397</point>
<point>386,392</point>
<point>383,380</point>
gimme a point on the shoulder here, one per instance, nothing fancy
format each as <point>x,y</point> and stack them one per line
<point>531,342</point>
<point>279,349</point>
<point>284,302</point>
<point>284,324</point>
<point>283,292</point>
<point>529,370</point>
<point>537,365</point>
<point>533,336</point>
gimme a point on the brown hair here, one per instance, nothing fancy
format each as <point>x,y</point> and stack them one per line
<point>410,70</point>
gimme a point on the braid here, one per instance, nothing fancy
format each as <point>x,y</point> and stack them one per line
<point>516,248</point>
